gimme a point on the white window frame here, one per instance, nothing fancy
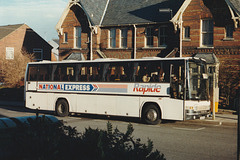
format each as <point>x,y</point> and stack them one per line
<point>206,32</point>
<point>229,28</point>
<point>40,51</point>
<point>77,37</point>
<point>112,39</point>
<point>149,37</point>
<point>123,37</point>
<point>162,36</point>
<point>65,37</point>
<point>9,53</point>
<point>186,31</point>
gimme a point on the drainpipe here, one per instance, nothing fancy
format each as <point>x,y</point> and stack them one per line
<point>91,45</point>
<point>134,42</point>
<point>181,34</point>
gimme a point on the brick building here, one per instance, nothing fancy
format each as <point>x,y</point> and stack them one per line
<point>15,38</point>
<point>100,29</point>
<point>140,28</point>
<point>213,27</point>
<point>15,41</point>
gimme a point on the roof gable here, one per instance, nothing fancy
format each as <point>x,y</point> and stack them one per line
<point>94,10</point>
<point>6,30</point>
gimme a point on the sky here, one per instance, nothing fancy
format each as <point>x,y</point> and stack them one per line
<point>40,15</point>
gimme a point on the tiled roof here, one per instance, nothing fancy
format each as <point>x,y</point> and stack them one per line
<point>115,12</point>
<point>236,5</point>
<point>95,9</point>
<point>209,57</point>
<point>140,11</point>
<point>75,56</point>
<point>6,30</point>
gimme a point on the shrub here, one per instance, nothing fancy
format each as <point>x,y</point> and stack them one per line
<point>43,140</point>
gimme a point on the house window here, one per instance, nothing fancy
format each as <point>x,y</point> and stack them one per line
<point>77,37</point>
<point>65,37</point>
<point>124,33</point>
<point>9,53</point>
<point>229,31</point>
<point>207,33</point>
<point>186,32</point>
<point>162,36</point>
<point>38,54</point>
<point>149,37</point>
<point>112,38</point>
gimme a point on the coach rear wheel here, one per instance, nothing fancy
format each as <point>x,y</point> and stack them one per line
<point>62,108</point>
<point>151,114</point>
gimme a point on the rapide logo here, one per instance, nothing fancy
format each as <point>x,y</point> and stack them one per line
<point>147,88</point>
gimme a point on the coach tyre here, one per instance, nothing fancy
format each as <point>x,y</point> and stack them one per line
<point>151,114</point>
<point>62,108</point>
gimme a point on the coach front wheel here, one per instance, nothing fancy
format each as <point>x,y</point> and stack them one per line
<point>62,108</point>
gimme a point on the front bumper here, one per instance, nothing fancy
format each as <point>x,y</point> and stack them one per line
<point>191,114</point>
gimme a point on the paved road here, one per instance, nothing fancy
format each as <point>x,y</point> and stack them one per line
<point>177,141</point>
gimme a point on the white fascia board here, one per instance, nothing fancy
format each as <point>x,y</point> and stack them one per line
<point>176,20</point>
<point>64,15</point>
<point>105,10</point>
<point>232,10</point>
<point>58,27</point>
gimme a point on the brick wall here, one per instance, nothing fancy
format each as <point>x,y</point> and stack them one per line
<point>14,39</point>
<point>227,51</point>
<point>198,10</point>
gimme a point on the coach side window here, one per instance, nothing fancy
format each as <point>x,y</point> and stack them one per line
<point>151,72</point>
<point>94,74</point>
<point>58,76</point>
<point>32,73</point>
<point>44,72</point>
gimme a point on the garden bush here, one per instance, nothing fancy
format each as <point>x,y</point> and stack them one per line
<point>44,140</point>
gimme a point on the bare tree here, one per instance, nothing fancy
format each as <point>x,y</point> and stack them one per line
<point>13,70</point>
<point>228,82</point>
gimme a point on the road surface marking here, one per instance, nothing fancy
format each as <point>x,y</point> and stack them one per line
<point>190,129</point>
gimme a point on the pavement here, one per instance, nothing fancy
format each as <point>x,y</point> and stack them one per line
<point>223,117</point>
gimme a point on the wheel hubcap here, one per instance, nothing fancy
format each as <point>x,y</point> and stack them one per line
<point>61,108</point>
<point>152,115</point>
